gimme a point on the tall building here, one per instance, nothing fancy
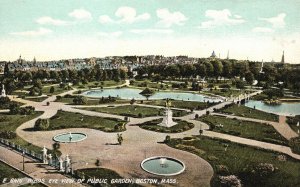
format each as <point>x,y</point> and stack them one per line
<point>213,55</point>
<point>282,58</point>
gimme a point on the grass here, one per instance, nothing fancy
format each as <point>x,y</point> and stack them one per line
<point>225,92</point>
<point>63,120</point>
<point>12,122</point>
<point>90,101</point>
<point>243,111</point>
<point>240,160</point>
<point>36,99</point>
<point>192,105</point>
<point>181,126</point>
<point>245,129</point>
<point>95,84</point>
<point>292,122</point>
<point>8,172</point>
<point>57,90</point>
<point>150,84</point>
<point>134,111</point>
<point>101,173</point>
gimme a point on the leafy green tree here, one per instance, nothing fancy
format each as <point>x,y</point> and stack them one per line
<point>52,89</point>
<point>79,100</point>
<point>41,124</point>
<point>249,77</point>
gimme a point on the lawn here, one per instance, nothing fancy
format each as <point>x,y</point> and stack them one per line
<point>57,90</point>
<point>96,84</point>
<point>8,172</point>
<point>245,129</point>
<point>11,122</point>
<point>36,99</point>
<point>225,92</point>
<point>192,105</point>
<point>63,120</point>
<point>101,173</point>
<point>134,111</point>
<point>181,126</point>
<point>242,161</point>
<point>150,84</point>
<point>90,101</point>
<point>243,111</point>
<point>292,121</point>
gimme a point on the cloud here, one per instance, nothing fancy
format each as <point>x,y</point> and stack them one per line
<point>151,31</point>
<point>277,21</point>
<point>125,15</point>
<point>81,14</point>
<point>262,30</point>
<point>105,19</point>
<point>110,34</point>
<point>220,18</point>
<point>167,18</point>
<point>46,20</point>
<point>39,32</point>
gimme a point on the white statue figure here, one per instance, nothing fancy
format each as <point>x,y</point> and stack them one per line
<point>3,93</point>
<point>67,164</point>
<point>61,168</point>
<point>45,160</point>
<point>167,120</point>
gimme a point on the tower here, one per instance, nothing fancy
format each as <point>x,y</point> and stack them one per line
<point>227,55</point>
<point>213,55</point>
<point>282,58</point>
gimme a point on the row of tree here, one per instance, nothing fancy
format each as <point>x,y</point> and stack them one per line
<point>216,68</point>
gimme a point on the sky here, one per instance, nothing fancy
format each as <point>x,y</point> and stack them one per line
<point>63,29</point>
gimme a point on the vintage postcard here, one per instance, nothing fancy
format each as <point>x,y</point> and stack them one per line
<point>187,93</point>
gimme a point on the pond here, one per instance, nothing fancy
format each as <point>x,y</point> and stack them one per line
<point>129,93</point>
<point>288,109</point>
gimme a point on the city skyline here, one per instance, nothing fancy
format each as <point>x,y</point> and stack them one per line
<point>53,30</point>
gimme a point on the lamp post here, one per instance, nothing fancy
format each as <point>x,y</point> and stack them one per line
<point>23,154</point>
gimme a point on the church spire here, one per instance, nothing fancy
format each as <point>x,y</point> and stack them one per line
<point>228,55</point>
<point>282,58</point>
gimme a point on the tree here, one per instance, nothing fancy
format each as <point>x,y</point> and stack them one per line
<point>249,77</point>
<point>41,124</point>
<point>200,70</point>
<point>52,89</point>
<point>14,108</point>
<point>171,71</point>
<point>227,69</point>
<point>218,68</point>
<point>79,100</point>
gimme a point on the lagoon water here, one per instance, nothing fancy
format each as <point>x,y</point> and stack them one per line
<point>289,109</point>
<point>130,93</point>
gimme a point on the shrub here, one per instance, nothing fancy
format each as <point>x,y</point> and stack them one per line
<point>79,100</point>
<point>28,110</point>
<point>52,89</point>
<point>41,124</point>
<point>140,115</point>
<point>167,139</point>
<point>230,181</point>
<point>8,134</point>
<point>58,97</point>
<point>264,169</point>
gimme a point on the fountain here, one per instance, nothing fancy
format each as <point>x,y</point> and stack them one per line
<point>163,166</point>
<point>69,137</point>
<point>167,120</point>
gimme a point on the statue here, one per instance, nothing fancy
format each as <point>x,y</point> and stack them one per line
<point>167,120</point>
<point>3,93</point>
